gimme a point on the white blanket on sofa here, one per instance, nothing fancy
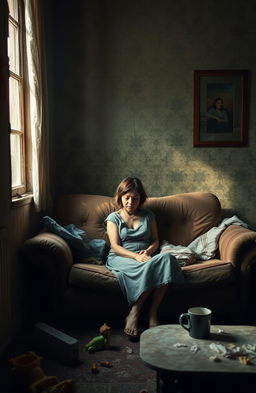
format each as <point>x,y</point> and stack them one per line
<point>204,247</point>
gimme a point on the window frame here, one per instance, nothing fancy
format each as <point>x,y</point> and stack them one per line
<point>18,190</point>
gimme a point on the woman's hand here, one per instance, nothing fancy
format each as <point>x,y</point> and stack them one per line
<point>142,256</point>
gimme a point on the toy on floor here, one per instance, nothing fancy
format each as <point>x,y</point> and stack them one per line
<point>100,342</point>
<point>105,363</point>
<point>95,366</point>
<point>29,373</point>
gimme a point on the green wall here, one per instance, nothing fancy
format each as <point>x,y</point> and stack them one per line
<point>122,96</point>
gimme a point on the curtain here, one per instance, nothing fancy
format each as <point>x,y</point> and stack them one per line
<point>37,108</point>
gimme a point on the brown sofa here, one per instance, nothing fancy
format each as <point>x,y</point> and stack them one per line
<point>63,287</point>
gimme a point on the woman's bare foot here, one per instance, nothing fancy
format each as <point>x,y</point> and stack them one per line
<point>131,324</point>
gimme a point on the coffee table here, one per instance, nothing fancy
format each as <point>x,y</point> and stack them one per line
<point>186,364</point>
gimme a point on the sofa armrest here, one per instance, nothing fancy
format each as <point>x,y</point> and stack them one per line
<point>49,259</point>
<point>238,246</point>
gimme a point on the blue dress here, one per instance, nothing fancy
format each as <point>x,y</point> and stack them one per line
<point>137,277</point>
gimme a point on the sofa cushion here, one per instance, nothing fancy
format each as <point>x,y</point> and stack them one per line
<point>212,272</point>
<point>183,217</point>
<point>96,277</point>
<point>99,278</point>
<point>87,212</point>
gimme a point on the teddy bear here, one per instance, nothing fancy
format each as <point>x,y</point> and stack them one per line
<point>28,372</point>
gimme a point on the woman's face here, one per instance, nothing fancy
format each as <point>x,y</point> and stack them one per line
<point>219,104</point>
<point>130,201</point>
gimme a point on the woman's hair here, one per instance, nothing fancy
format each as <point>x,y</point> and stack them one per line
<point>127,185</point>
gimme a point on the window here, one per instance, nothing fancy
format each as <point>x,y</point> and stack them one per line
<point>16,97</point>
<point>29,136</point>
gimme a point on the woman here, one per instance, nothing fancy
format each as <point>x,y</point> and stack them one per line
<point>132,232</point>
<point>217,117</point>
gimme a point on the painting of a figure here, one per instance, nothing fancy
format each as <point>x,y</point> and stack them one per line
<point>219,108</point>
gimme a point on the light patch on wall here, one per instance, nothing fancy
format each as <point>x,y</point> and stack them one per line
<point>197,175</point>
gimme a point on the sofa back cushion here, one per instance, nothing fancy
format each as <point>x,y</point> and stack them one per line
<point>87,212</point>
<point>181,217</point>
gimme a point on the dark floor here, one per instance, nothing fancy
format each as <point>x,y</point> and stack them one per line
<point>127,374</point>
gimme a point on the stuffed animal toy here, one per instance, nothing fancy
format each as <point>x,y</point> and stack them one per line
<point>100,342</point>
<point>28,373</point>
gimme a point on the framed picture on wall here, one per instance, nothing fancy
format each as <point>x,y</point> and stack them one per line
<point>220,108</point>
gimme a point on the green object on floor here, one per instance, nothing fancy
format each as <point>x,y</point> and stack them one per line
<point>100,342</point>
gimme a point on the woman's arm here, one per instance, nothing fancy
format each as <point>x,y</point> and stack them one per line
<point>221,116</point>
<point>154,239</point>
<point>212,114</point>
<point>114,239</point>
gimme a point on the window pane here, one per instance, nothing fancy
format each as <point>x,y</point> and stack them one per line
<point>13,8</point>
<point>15,109</point>
<point>13,48</point>
<point>16,157</point>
